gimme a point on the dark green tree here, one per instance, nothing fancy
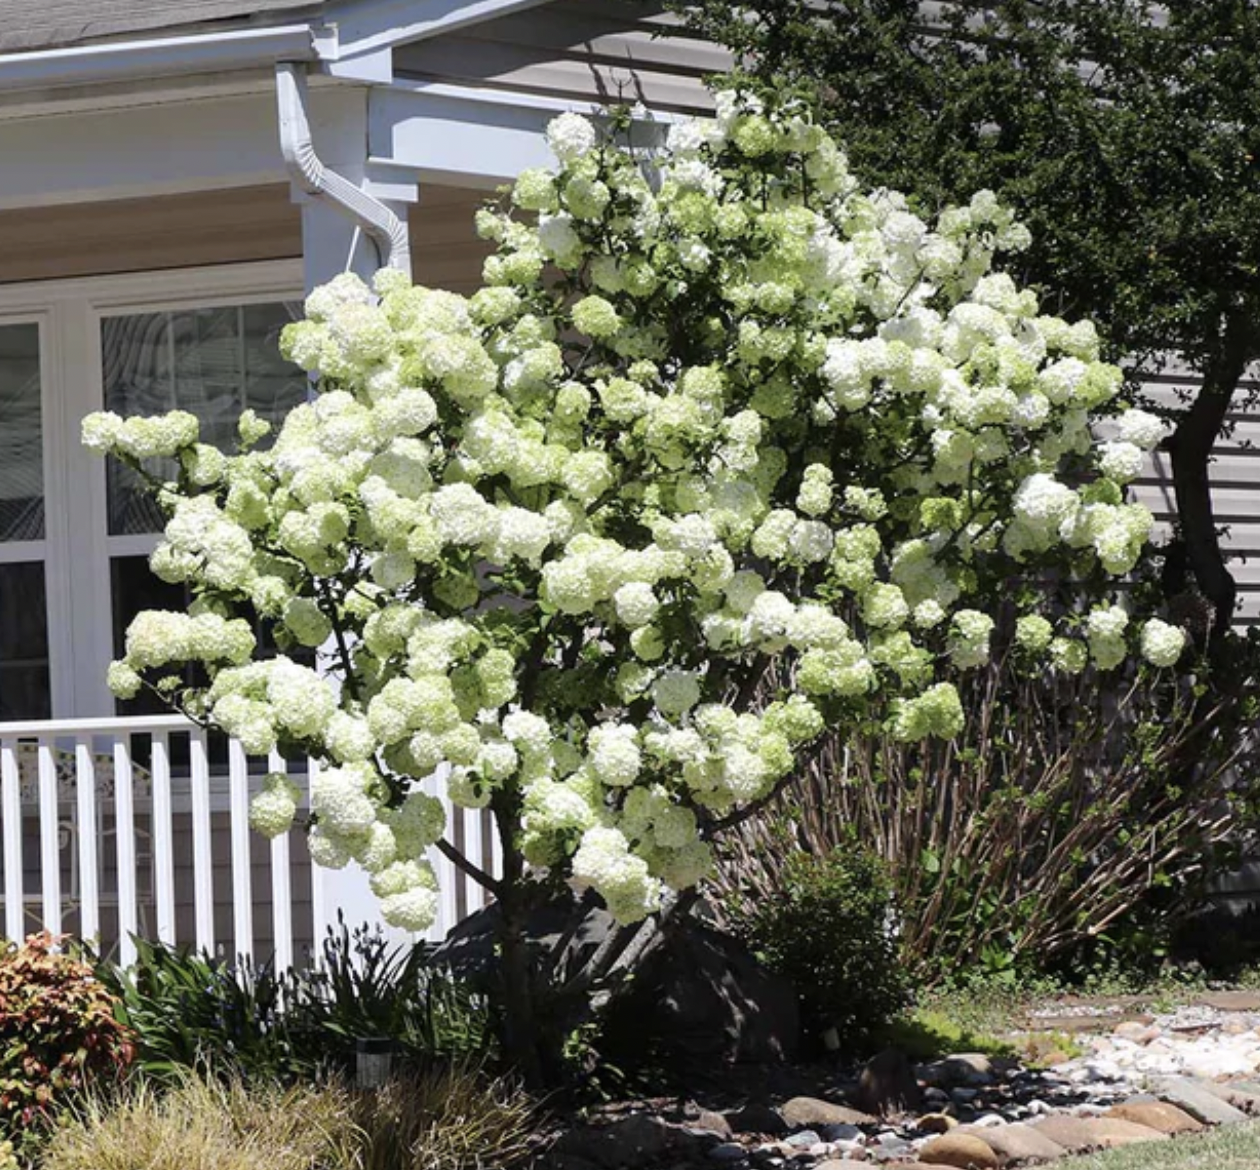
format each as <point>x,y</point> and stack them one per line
<point>1126,134</point>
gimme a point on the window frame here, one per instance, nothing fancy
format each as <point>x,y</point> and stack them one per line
<point>77,548</point>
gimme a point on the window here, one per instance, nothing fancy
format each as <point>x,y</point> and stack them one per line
<point>75,533</point>
<point>25,690</point>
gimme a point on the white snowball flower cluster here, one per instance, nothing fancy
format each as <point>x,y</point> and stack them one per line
<point>783,456</point>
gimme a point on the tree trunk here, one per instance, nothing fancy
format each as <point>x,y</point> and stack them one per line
<point>1190,447</point>
<point>521,1035</point>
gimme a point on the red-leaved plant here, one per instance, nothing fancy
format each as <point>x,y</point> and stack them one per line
<point>57,1031</point>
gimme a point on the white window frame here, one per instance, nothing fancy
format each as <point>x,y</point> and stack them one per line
<point>77,547</point>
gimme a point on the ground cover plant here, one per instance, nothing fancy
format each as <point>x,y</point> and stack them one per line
<point>727,453</point>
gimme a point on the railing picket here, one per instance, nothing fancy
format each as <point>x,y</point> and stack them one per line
<point>281,888</point>
<point>163,841</point>
<point>474,895</point>
<point>242,897</point>
<point>125,840</point>
<point>11,815</point>
<point>89,891</point>
<point>447,875</point>
<point>203,856</point>
<point>50,829</point>
<point>319,906</point>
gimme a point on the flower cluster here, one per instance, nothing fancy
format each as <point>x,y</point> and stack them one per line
<point>726,452</point>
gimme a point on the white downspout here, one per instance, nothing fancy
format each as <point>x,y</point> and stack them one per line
<point>387,231</point>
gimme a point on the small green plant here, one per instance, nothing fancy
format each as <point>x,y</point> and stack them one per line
<point>366,987</point>
<point>196,1123</point>
<point>455,1118</point>
<point>58,1034</point>
<point>187,1010</point>
<point>829,928</point>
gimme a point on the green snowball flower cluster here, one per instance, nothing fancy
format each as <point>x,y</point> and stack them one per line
<point>726,453</point>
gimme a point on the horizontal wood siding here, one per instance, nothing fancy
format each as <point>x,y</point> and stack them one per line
<point>445,249</point>
<point>141,235</point>
<point>602,51</point>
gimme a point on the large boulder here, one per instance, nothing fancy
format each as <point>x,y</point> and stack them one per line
<point>698,998</point>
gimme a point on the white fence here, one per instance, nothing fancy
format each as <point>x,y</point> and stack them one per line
<point>117,828</point>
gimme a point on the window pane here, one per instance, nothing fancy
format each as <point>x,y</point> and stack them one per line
<point>211,362</point>
<point>21,437</point>
<point>25,692</point>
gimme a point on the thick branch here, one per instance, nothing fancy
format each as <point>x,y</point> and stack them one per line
<point>1190,448</point>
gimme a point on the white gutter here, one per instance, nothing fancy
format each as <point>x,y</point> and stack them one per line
<point>386,230</point>
<point>159,57</point>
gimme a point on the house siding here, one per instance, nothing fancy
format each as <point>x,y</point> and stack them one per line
<point>143,235</point>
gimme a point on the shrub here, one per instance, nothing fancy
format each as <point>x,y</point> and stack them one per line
<point>57,1033</point>
<point>1062,806</point>
<point>201,1124</point>
<point>829,929</point>
<point>453,1119</point>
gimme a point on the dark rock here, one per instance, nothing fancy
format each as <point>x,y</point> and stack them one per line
<point>757,1118</point>
<point>888,1085</point>
<point>728,1154</point>
<point>632,1141</point>
<point>700,1001</point>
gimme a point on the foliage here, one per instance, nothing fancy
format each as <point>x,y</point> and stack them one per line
<point>1118,131</point>
<point>727,452</point>
<point>453,1119</point>
<point>58,1035</point>
<point>208,1124</point>
<point>927,1034</point>
<point>189,1011</point>
<point>829,927</point>
<point>1038,832</point>
<point>367,987</point>
<point>186,1010</point>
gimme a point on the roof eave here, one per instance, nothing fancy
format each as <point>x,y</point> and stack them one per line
<point>159,57</point>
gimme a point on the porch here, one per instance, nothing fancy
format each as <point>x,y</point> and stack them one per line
<point>122,827</point>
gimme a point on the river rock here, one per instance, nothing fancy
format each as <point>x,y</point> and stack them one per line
<point>1018,1144</point>
<point>888,1085</point>
<point>1198,1100</point>
<point>963,1150</point>
<point>1158,1115</point>
<point>801,1112</point>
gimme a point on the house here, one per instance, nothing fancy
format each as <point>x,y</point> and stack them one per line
<point>173,176</point>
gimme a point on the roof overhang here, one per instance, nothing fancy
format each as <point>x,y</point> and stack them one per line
<point>350,40</point>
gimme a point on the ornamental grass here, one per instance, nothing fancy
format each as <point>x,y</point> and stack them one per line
<point>208,1125</point>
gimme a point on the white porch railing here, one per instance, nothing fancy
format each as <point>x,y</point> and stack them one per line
<point>116,828</point>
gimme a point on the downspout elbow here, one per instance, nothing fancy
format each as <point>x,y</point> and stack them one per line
<point>308,172</point>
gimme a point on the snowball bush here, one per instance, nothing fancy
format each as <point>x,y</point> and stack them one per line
<point>725,453</point>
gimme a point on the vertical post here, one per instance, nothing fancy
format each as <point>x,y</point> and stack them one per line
<point>50,829</point>
<point>89,892</point>
<point>281,889</point>
<point>125,834</point>
<point>203,859</point>
<point>163,841</point>
<point>242,893</point>
<point>11,819</point>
